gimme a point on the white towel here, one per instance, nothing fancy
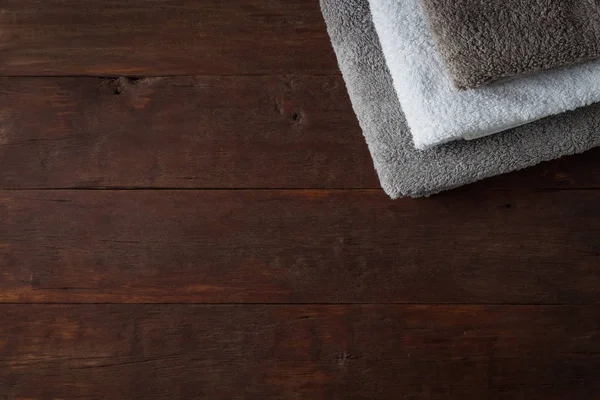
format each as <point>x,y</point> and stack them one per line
<point>436,112</point>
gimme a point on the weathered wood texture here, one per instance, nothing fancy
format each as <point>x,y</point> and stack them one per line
<point>263,107</point>
<point>158,37</point>
<point>225,132</point>
<point>204,132</point>
<point>299,352</point>
<point>295,246</point>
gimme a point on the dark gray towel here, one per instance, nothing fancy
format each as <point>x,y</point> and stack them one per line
<point>404,170</point>
<point>483,41</point>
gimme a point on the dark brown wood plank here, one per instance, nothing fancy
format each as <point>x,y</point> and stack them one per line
<point>157,37</point>
<point>303,352</point>
<point>204,132</point>
<point>299,246</point>
<point>224,132</point>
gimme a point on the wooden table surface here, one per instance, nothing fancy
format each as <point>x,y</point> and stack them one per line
<point>189,210</point>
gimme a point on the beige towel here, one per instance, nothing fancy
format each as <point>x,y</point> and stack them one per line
<point>483,41</point>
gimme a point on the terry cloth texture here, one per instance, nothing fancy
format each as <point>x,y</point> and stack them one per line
<point>406,171</point>
<point>437,112</point>
<point>483,41</point>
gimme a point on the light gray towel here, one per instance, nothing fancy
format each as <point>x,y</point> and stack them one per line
<point>437,113</point>
<point>402,169</point>
<point>483,41</point>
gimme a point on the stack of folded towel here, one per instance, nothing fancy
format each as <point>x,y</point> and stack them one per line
<point>428,77</point>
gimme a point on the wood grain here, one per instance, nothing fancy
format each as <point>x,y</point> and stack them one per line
<point>204,132</point>
<point>299,352</point>
<point>158,37</point>
<point>311,276</point>
<point>296,246</point>
<point>224,132</point>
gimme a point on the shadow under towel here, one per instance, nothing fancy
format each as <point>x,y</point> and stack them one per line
<point>406,171</point>
<point>483,41</point>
